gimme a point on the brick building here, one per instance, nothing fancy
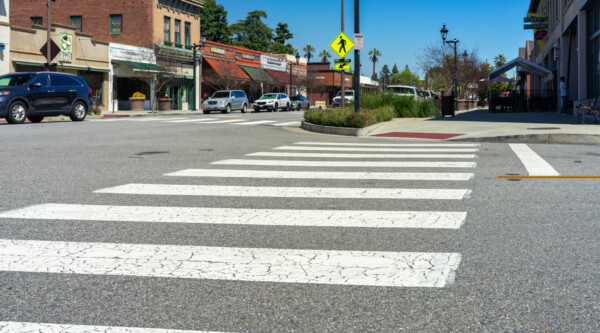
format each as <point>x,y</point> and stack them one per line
<point>140,32</point>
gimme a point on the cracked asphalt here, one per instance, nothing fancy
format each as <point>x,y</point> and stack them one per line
<point>529,250</point>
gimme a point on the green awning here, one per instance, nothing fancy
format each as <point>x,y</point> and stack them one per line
<point>259,74</point>
<point>81,68</point>
<point>140,66</point>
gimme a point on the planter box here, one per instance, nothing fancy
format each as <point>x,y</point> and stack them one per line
<point>137,103</point>
<point>164,104</point>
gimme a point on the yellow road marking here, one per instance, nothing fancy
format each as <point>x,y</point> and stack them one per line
<point>550,177</point>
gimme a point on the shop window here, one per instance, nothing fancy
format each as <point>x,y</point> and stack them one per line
<point>76,22</point>
<point>37,20</point>
<point>178,33</point>
<point>188,38</point>
<point>167,37</point>
<point>116,24</point>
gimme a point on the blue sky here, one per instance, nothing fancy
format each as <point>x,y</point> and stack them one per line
<point>399,28</point>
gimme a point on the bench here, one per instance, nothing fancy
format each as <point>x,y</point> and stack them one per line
<point>593,110</point>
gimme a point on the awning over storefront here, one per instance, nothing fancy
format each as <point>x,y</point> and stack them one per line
<point>62,66</point>
<point>175,53</point>
<point>227,69</point>
<point>137,66</point>
<point>259,75</point>
<point>281,77</point>
<point>523,65</point>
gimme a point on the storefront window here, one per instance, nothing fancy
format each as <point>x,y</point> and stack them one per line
<point>188,39</point>
<point>167,36</point>
<point>177,33</point>
<point>116,24</point>
<point>593,23</point>
<point>76,22</point>
<point>37,20</point>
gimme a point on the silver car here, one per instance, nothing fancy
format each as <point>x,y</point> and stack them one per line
<point>225,101</point>
<point>299,102</point>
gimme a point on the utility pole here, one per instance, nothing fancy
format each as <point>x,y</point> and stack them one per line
<point>343,72</point>
<point>49,40</point>
<point>356,58</point>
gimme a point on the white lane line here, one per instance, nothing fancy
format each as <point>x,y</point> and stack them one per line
<point>291,123</point>
<point>23,327</point>
<point>226,121</point>
<point>288,192</point>
<point>270,217</point>
<point>368,268</point>
<point>535,165</point>
<point>206,119</point>
<point>218,173</point>
<point>399,150</point>
<point>158,119</point>
<point>349,164</point>
<point>390,156</point>
<point>257,122</point>
<point>465,145</point>
<point>184,121</point>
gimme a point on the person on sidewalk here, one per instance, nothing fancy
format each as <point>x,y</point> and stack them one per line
<point>564,93</point>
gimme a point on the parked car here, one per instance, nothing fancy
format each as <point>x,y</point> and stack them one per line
<point>426,94</point>
<point>299,102</point>
<point>226,101</point>
<point>349,97</point>
<point>400,90</point>
<point>35,95</point>
<point>272,102</point>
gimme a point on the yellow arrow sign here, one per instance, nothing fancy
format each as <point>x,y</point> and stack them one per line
<point>342,45</point>
<point>342,66</point>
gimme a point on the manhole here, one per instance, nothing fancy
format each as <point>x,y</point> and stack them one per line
<point>544,128</point>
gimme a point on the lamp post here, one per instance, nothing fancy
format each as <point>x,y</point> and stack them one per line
<point>196,90</point>
<point>453,44</point>
<point>291,73</point>
<point>465,57</point>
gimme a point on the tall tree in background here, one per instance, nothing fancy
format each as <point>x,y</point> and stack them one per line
<point>214,22</point>
<point>252,33</point>
<point>385,74</point>
<point>308,51</point>
<point>374,55</point>
<point>499,60</point>
<point>395,69</point>
<point>282,35</point>
<point>325,55</point>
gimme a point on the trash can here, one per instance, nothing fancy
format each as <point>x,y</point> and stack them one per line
<point>448,105</point>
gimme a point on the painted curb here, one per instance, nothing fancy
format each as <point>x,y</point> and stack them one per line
<point>339,130</point>
<point>585,139</point>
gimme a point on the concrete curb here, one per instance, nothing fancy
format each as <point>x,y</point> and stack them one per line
<point>339,130</point>
<point>587,139</point>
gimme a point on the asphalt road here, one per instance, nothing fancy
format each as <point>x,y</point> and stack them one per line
<point>528,249</point>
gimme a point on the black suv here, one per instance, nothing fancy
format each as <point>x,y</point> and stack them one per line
<point>42,94</point>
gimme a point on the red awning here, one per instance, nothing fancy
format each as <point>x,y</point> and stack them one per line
<point>281,77</point>
<point>227,69</point>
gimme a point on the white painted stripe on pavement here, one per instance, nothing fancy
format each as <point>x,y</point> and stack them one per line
<point>291,123</point>
<point>368,268</point>
<point>217,173</point>
<point>23,327</point>
<point>390,156</point>
<point>256,122</point>
<point>226,121</point>
<point>270,217</point>
<point>158,119</point>
<point>349,164</point>
<point>184,121</point>
<point>465,145</point>
<point>288,192</point>
<point>399,150</point>
<point>206,119</point>
<point>535,165</point>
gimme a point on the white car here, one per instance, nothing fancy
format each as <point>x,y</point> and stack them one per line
<point>272,102</point>
<point>408,91</point>
<point>349,97</point>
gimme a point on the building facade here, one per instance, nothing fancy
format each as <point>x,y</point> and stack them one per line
<point>571,48</point>
<point>4,36</point>
<point>142,35</point>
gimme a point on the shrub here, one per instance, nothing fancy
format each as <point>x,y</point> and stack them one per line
<point>138,94</point>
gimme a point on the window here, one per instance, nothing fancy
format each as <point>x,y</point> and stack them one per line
<point>43,79</point>
<point>15,80</point>
<point>37,20</point>
<point>116,24</point>
<point>63,81</point>
<point>188,37</point>
<point>76,22</point>
<point>177,32</point>
<point>167,30</point>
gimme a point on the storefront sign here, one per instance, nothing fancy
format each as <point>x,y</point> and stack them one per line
<point>131,53</point>
<point>535,26</point>
<point>273,63</point>
<point>65,43</point>
<point>540,19</point>
<point>540,27</point>
<point>217,50</point>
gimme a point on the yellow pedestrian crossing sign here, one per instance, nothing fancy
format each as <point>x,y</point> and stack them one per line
<point>342,65</point>
<point>342,45</point>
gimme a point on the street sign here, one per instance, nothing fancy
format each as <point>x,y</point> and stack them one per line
<point>342,65</point>
<point>341,45</point>
<point>54,50</point>
<point>540,34</point>
<point>536,26</point>
<point>359,42</point>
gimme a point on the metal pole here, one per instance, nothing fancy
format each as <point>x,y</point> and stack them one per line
<point>194,84</point>
<point>455,70</point>
<point>48,48</point>
<point>291,80</point>
<point>356,58</point>
<point>343,105</point>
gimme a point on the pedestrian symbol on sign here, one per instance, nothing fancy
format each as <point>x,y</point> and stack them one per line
<point>342,45</point>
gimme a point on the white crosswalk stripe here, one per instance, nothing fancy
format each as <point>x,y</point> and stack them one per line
<point>378,156</point>
<point>403,150</point>
<point>23,327</point>
<point>288,124</point>
<point>259,122</point>
<point>340,144</point>
<point>348,164</point>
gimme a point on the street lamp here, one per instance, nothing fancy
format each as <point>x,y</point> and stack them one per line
<point>291,73</point>
<point>452,44</point>
<point>195,46</point>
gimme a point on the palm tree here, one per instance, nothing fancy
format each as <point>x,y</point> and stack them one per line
<point>325,55</point>
<point>308,49</point>
<point>499,60</point>
<point>374,55</point>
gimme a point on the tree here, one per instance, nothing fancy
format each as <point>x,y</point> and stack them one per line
<point>325,55</point>
<point>395,70</point>
<point>157,76</point>
<point>252,33</point>
<point>308,51</point>
<point>406,77</point>
<point>374,55</point>
<point>282,34</point>
<point>214,22</point>
<point>499,60</point>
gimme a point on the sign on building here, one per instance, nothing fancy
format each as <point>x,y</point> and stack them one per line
<point>65,43</point>
<point>273,63</point>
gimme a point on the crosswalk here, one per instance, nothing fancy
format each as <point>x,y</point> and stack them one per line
<point>208,121</point>
<point>449,163</point>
